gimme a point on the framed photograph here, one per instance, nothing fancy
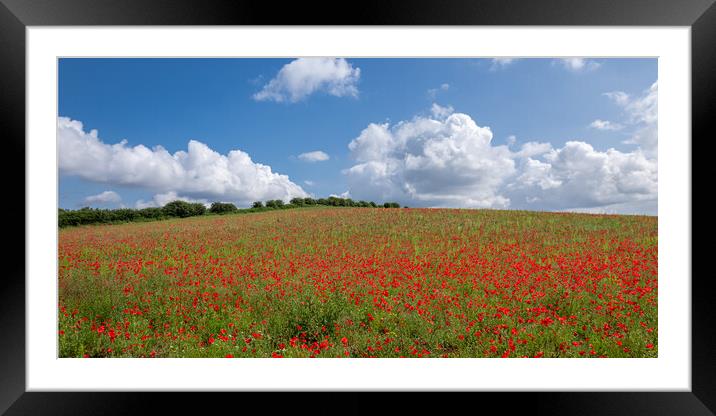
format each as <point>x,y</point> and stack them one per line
<point>466,198</point>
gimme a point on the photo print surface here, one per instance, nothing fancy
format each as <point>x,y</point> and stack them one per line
<point>354,207</point>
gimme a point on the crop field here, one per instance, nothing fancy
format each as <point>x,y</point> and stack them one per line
<point>357,282</point>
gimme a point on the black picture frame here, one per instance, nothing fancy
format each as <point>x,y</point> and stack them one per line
<point>16,15</point>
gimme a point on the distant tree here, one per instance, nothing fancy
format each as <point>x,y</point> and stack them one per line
<point>198,208</point>
<point>222,208</point>
<point>178,208</point>
<point>338,202</point>
<point>122,214</point>
<point>87,215</point>
<point>151,213</point>
<point>181,209</point>
<point>274,203</point>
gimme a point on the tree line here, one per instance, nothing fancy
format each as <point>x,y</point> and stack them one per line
<point>183,209</point>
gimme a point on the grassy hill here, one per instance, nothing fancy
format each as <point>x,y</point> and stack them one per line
<point>356,282</point>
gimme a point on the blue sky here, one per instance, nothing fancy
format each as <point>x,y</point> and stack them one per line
<point>418,128</point>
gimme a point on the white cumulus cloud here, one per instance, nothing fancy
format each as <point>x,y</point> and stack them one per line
<point>315,156</point>
<point>198,172</point>
<point>578,176</point>
<point>305,76</point>
<point>442,162</point>
<point>106,197</point>
<point>449,160</point>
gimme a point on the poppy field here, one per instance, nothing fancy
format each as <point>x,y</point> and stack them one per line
<point>357,282</point>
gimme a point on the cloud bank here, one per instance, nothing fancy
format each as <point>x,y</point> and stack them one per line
<point>447,159</point>
<point>199,172</point>
<point>305,76</point>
